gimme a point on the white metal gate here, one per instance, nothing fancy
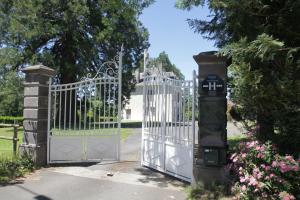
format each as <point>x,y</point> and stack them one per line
<point>169,124</point>
<point>84,117</point>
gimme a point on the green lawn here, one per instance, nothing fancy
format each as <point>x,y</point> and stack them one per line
<point>6,146</point>
<point>125,132</point>
<point>233,141</point>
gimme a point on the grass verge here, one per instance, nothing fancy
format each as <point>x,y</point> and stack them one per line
<point>6,146</point>
<point>234,140</point>
<point>14,167</point>
<point>200,193</point>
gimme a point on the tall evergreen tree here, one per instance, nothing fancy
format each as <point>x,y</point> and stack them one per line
<point>263,39</point>
<point>72,36</point>
<point>164,61</point>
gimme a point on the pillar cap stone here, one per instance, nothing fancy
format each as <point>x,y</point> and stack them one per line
<point>39,69</point>
<point>209,57</point>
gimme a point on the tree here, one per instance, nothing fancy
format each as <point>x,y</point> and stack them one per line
<point>11,98</point>
<point>232,20</point>
<point>164,61</point>
<point>263,38</point>
<point>72,36</point>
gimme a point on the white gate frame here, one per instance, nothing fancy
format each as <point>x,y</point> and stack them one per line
<point>168,143</point>
<point>68,141</point>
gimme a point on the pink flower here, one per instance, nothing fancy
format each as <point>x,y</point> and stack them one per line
<point>274,164</point>
<point>295,168</point>
<point>242,179</point>
<point>260,155</point>
<point>255,170</point>
<point>289,158</point>
<point>267,168</point>
<point>272,175</point>
<point>250,133</point>
<point>252,181</point>
<point>244,155</point>
<point>289,197</point>
<point>244,188</point>
<point>235,159</point>
<point>259,175</point>
<point>284,167</point>
<point>251,144</point>
<point>248,145</point>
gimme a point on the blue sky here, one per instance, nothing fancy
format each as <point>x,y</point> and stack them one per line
<point>169,32</point>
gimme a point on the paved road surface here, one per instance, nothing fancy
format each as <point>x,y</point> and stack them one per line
<point>129,181</point>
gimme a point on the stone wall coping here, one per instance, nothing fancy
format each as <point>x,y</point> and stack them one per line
<point>39,69</point>
<point>209,57</point>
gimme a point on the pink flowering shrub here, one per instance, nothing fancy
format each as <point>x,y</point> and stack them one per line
<point>261,173</point>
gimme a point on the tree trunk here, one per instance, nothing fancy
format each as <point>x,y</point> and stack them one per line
<point>266,127</point>
<point>68,75</point>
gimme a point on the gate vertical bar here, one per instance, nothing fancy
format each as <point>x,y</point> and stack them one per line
<point>164,110</point>
<point>144,104</point>
<point>48,122</point>
<point>119,101</point>
<point>193,121</point>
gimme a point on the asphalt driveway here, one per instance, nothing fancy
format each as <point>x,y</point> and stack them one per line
<point>125,180</point>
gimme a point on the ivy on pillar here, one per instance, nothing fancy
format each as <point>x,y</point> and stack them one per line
<point>35,113</point>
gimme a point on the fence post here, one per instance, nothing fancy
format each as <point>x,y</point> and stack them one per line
<point>15,139</point>
<point>36,112</point>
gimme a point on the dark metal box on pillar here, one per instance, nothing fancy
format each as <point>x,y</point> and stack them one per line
<point>212,138</point>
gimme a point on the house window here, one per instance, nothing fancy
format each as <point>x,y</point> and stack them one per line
<point>128,113</point>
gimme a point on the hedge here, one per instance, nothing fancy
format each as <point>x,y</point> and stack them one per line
<point>131,124</point>
<point>11,120</point>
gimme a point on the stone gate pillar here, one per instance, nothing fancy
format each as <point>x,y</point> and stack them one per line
<point>35,112</point>
<point>212,137</point>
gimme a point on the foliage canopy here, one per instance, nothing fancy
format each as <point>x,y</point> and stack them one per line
<point>73,37</point>
<point>262,37</point>
<point>164,61</point>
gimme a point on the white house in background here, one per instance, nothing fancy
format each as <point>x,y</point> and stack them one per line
<point>133,110</point>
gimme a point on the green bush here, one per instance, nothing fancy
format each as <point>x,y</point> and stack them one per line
<point>14,167</point>
<point>131,124</point>
<point>261,173</point>
<point>11,120</point>
<point>198,192</point>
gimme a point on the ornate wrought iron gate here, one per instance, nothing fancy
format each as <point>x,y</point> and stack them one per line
<point>169,124</point>
<point>84,117</point>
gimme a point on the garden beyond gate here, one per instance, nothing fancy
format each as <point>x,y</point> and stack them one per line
<point>84,117</point>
